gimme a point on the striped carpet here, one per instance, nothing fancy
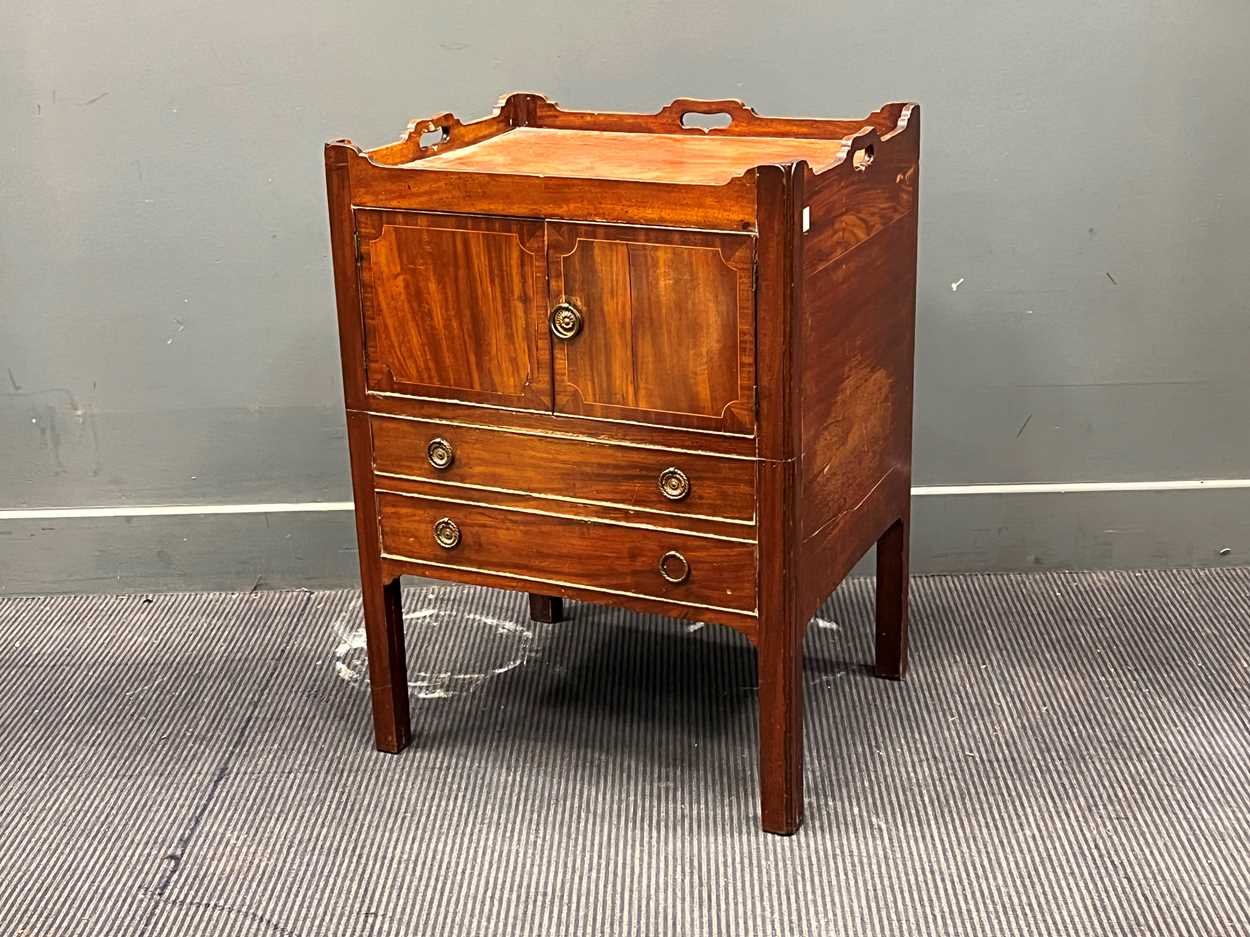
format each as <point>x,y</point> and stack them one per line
<point>1070,755</point>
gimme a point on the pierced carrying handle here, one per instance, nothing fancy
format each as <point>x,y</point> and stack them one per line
<point>432,132</point>
<point>861,149</point>
<point>737,112</point>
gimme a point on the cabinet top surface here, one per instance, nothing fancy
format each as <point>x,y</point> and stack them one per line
<point>531,141</point>
<point>647,157</point>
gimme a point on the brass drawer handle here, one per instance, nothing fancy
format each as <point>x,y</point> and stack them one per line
<point>446,533</point>
<point>566,321</point>
<point>674,484</point>
<point>674,568</point>
<point>440,453</point>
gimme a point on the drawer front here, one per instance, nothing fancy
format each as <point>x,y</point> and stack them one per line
<point>659,480</point>
<point>612,558</point>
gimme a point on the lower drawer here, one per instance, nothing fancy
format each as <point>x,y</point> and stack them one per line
<point>611,558</point>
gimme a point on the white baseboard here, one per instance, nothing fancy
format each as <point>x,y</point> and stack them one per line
<point>955,529</point>
<point>302,507</point>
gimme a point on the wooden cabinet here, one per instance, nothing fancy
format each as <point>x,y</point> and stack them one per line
<point>613,358</point>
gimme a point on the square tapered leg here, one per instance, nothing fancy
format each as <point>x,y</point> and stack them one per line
<point>388,668</point>
<point>780,667</point>
<point>892,582</point>
<point>548,609</point>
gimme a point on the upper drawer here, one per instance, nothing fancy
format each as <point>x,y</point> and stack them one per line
<point>561,467</point>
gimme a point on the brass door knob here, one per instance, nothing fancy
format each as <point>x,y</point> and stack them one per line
<point>565,321</point>
<point>674,568</point>
<point>440,453</point>
<point>674,484</point>
<point>446,533</point>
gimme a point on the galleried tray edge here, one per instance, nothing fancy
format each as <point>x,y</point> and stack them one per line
<point>393,174</point>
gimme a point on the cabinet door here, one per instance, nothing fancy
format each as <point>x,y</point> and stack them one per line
<point>663,323</point>
<point>455,307</point>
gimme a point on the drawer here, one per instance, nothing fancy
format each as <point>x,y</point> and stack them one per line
<point>606,473</point>
<point>608,557</point>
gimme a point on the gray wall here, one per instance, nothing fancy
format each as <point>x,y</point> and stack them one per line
<point>167,330</point>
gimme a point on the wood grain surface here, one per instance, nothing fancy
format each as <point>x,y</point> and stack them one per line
<point>856,277</point>
<point>558,550</point>
<point>728,207</point>
<point>561,468</point>
<point>669,330</point>
<point>601,154</point>
<point>743,531</point>
<point>454,306</point>
<point>625,432</point>
<point>744,121</point>
<point>779,643</point>
<point>380,597</point>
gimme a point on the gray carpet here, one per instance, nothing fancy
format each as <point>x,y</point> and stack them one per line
<point>1070,755</point>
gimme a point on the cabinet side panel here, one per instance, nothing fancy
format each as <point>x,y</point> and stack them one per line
<point>857,324</point>
<point>847,206</point>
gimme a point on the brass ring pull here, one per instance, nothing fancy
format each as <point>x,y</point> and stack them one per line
<point>440,453</point>
<point>446,533</point>
<point>565,321</point>
<point>674,568</point>
<point>674,484</point>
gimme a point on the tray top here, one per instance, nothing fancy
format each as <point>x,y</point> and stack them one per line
<point>646,157</point>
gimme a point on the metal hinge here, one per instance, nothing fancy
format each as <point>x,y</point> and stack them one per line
<point>356,245</point>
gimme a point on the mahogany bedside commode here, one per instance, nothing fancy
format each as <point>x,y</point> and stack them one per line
<point>627,361</point>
